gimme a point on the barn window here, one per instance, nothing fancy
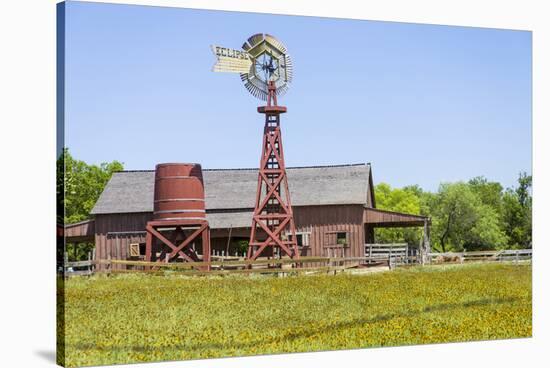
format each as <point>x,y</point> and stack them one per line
<point>341,238</point>
<point>137,249</point>
<point>302,239</point>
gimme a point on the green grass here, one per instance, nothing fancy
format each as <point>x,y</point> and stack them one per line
<point>138,318</point>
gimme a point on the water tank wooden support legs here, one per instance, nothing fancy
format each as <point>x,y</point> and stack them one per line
<point>170,248</point>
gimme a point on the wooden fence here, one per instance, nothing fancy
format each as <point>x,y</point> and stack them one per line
<point>393,254</point>
<point>230,265</point>
<point>509,255</point>
<point>223,266</point>
<point>379,254</point>
<point>79,268</point>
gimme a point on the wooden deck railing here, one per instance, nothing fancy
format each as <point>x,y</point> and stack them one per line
<point>394,253</point>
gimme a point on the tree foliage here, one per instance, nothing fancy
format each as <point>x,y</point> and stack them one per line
<point>477,215</point>
<point>406,200</point>
<point>462,219</point>
<point>81,185</point>
<point>517,213</point>
<point>78,251</point>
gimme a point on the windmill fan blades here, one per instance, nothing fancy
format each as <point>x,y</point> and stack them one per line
<point>275,42</point>
<point>255,39</point>
<point>255,91</point>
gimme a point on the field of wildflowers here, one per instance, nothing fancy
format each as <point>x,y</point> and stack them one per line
<point>141,318</point>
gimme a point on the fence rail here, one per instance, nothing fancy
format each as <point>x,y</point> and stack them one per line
<point>514,255</point>
<point>393,257</point>
<point>79,268</point>
<point>395,254</point>
<point>307,265</point>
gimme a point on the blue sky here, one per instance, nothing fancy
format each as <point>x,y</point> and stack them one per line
<point>424,104</point>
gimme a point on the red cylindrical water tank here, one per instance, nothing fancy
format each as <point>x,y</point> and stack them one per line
<point>179,192</point>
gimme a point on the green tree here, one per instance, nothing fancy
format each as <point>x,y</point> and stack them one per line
<point>460,219</point>
<point>241,246</point>
<point>490,193</point>
<point>81,185</point>
<point>487,232</point>
<point>476,215</point>
<point>78,251</point>
<point>406,200</point>
<point>524,189</point>
<point>517,213</point>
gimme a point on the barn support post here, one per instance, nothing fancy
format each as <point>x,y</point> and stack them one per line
<point>148,249</point>
<point>425,249</point>
<point>65,262</point>
<point>229,238</point>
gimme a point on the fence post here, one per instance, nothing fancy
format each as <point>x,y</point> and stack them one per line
<point>94,266</point>
<point>65,261</point>
<point>517,256</point>
<point>370,254</point>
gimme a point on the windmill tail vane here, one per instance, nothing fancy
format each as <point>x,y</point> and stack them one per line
<point>230,60</point>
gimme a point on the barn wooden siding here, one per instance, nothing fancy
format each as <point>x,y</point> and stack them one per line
<point>80,231</point>
<point>323,220</point>
<point>115,232</point>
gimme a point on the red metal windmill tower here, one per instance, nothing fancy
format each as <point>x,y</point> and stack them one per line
<point>266,70</point>
<point>273,210</point>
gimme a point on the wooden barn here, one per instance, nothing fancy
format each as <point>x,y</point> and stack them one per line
<point>334,211</point>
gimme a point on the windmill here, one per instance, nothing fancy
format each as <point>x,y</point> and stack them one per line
<point>266,70</point>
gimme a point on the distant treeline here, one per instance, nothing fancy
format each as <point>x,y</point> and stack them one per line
<point>474,215</point>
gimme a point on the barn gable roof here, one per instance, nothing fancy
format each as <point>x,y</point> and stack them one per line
<point>230,189</point>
